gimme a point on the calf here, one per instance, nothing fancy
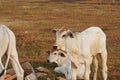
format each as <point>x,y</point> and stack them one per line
<point>83,46</point>
<point>64,64</point>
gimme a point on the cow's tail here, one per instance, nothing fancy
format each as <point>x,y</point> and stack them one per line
<point>8,51</point>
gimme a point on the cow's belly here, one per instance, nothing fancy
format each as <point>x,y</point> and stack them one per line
<point>4,40</point>
<point>95,48</point>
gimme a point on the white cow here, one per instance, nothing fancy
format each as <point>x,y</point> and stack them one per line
<point>64,64</point>
<point>8,46</point>
<point>83,46</point>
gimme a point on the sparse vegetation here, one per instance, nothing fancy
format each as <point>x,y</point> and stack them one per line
<point>33,20</point>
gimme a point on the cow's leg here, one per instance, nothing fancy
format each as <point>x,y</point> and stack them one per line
<point>88,62</point>
<point>16,65</point>
<point>1,65</point>
<point>74,71</point>
<point>1,69</point>
<point>104,64</point>
<point>96,67</point>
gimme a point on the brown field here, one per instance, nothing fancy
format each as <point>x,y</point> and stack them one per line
<point>33,20</point>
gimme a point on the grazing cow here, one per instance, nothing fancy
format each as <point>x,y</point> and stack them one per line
<point>83,46</point>
<point>64,64</point>
<point>8,46</point>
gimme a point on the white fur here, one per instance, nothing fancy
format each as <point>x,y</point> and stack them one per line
<point>8,44</point>
<point>83,46</point>
<point>64,65</point>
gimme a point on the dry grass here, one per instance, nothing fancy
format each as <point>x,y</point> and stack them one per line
<point>32,22</point>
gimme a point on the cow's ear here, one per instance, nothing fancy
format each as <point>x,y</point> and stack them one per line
<point>48,52</point>
<point>73,61</point>
<point>73,64</point>
<point>70,34</point>
<point>54,31</point>
<point>62,55</point>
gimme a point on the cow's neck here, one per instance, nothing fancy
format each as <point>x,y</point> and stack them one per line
<point>72,45</point>
<point>64,62</point>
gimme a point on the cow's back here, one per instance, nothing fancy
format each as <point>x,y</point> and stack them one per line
<point>93,40</point>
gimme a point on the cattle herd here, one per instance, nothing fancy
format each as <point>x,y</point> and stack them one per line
<point>73,52</point>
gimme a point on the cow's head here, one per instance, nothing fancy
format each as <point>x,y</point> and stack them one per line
<point>61,35</point>
<point>57,56</point>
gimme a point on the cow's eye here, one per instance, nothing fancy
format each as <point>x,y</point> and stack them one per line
<point>64,35</point>
<point>55,53</point>
<point>62,55</point>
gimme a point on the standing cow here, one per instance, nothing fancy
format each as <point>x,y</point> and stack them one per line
<point>83,46</point>
<point>8,46</point>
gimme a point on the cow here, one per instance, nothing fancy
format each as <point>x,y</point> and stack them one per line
<point>8,47</point>
<point>83,46</point>
<point>63,61</point>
